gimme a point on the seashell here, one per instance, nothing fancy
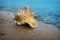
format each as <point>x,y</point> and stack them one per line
<point>25,16</point>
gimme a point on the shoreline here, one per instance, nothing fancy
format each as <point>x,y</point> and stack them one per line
<point>13,32</point>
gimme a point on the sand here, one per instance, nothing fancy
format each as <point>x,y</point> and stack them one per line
<point>10,31</point>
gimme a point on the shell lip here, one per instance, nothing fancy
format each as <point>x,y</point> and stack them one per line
<point>20,23</point>
<point>32,26</point>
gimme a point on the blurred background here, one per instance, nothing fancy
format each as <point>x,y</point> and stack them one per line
<point>47,11</point>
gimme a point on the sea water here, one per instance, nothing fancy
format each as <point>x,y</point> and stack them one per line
<point>47,11</point>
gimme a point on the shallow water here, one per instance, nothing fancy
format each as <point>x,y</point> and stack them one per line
<point>46,10</point>
<point>10,31</point>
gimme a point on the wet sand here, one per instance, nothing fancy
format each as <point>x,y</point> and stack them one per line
<point>10,31</point>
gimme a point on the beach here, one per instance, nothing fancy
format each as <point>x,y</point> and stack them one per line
<point>10,31</point>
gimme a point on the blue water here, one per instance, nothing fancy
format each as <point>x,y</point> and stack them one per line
<point>45,10</point>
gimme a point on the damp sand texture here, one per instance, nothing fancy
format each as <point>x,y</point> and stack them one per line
<point>10,31</point>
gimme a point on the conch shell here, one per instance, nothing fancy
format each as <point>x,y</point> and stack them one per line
<point>25,16</point>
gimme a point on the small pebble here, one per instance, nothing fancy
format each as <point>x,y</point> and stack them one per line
<point>2,34</point>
